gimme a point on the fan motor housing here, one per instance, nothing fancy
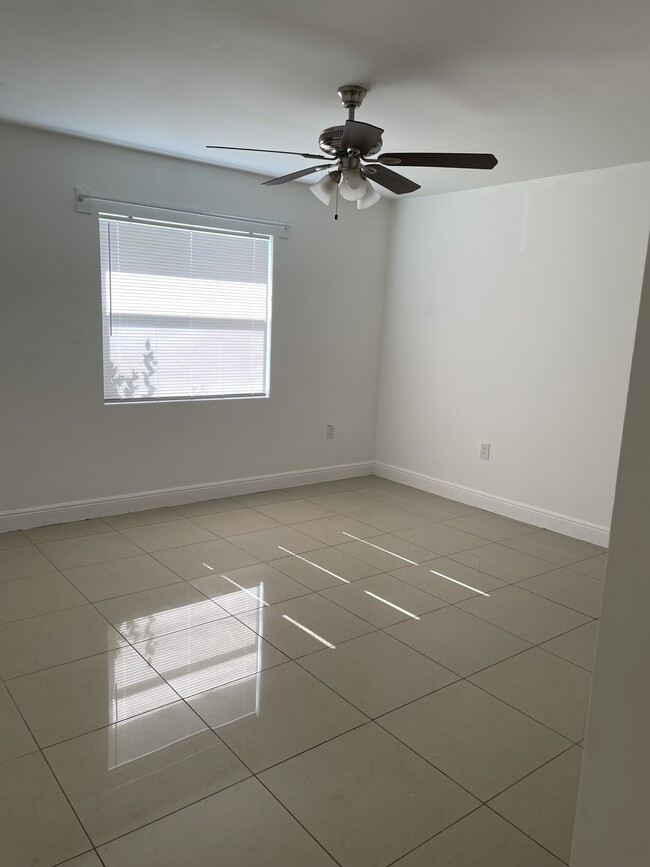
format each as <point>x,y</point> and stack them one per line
<point>330,138</point>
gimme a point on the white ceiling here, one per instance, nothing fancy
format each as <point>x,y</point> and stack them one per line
<point>549,86</point>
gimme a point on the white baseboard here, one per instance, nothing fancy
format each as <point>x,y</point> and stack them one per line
<point>60,513</point>
<point>595,533</point>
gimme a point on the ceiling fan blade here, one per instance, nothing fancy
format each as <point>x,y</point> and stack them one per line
<point>389,179</point>
<point>443,161</point>
<point>360,136</point>
<point>264,151</point>
<point>294,175</point>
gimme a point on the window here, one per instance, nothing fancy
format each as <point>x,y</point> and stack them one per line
<point>186,310</point>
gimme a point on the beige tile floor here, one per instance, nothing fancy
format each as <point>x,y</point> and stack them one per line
<point>355,673</point>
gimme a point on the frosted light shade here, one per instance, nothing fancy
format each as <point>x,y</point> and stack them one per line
<point>371,197</point>
<point>353,187</point>
<point>324,189</point>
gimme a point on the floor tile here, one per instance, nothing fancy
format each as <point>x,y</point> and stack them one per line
<point>435,513</point>
<point>390,518</point>
<point>367,798</point>
<point>27,597</point>
<point>241,827</point>
<point>236,521</point>
<point>292,511</point>
<point>525,614</point>
<point>141,519</point>
<point>118,577</point>
<point>345,502</point>
<point>358,482</point>
<point>441,538</point>
<point>324,567</point>
<point>275,715</point>
<point>481,839</point>
<point>136,771</point>
<point>383,600</point>
<point>530,544</point>
<point>481,743</point>
<point>140,616</point>
<point>386,497</point>
<point>499,521</point>
<point>567,543</point>
<point>476,528</point>
<point>305,624</point>
<point>207,507</point>
<point>595,567</point>
<point>330,531</point>
<point>448,580</point>
<point>577,646</point>
<point>22,562</point>
<point>69,553</point>
<point>385,552</point>
<point>209,655</point>
<point>70,530</point>
<point>72,699</point>
<point>503,563</point>
<point>376,673</point>
<point>13,539</point>
<point>90,859</point>
<point>547,688</point>
<point>15,739</point>
<point>170,534</point>
<point>249,588</point>
<point>37,825</point>
<point>270,544</point>
<point>262,498</point>
<point>457,640</point>
<point>195,561</point>
<point>569,588</point>
<point>543,805</point>
<point>53,639</point>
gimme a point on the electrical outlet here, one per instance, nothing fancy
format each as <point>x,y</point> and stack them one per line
<point>485,451</point>
<point>329,432</point>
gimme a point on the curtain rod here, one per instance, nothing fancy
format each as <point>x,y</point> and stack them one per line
<point>83,195</point>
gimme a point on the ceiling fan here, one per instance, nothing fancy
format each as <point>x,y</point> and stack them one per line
<point>351,160</point>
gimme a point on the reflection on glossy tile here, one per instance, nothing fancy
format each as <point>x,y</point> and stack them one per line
<point>67,531</point>
<point>376,673</point>
<point>577,646</point>
<point>13,539</point>
<point>252,587</point>
<point>236,521</point>
<point>28,597</point>
<point>543,805</point>
<point>241,827</point>
<point>481,839</point>
<point>458,640</point>
<point>524,614</point>
<point>552,691</point>
<point>292,713</point>
<point>324,567</point>
<point>140,616</point>
<point>194,561</point>
<point>477,740</point>
<point>141,519</point>
<point>329,531</point>
<point>171,534</point>
<point>117,577</point>
<point>441,538</point>
<point>69,553</point>
<point>22,563</point>
<point>209,655</point>
<point>15,739</point>
<point>385,552</point>
<point>367,798</point>
<point>72,699</point>
<point>53,639</point>
<point>305,624</point>
<point>268,544</point>
<point>138,770</point>
<point>504,563</point>
<point>448,580</point>
<point>569,588</point>
<point>37,825</point>
<point>383,600</point>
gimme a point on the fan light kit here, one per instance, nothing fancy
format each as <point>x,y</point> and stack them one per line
<point>351,160</point>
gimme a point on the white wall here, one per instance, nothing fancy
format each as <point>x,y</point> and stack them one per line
<point>509,319</point>
<point>612,819</point>
<point>60,443</point>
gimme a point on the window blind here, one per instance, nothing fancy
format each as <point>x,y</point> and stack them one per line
<point>186,311</point>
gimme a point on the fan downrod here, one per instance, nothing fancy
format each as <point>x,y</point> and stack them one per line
<point>352,96</point>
